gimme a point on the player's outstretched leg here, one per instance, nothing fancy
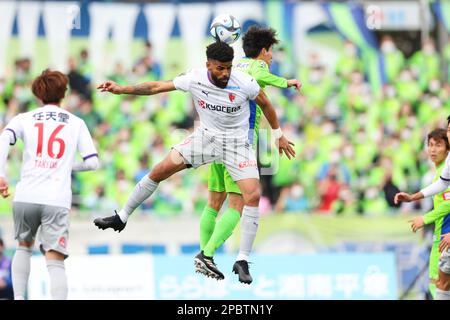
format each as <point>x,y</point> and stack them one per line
<point>206,266</point>
<point>113,222</point>
<point>171,164</point>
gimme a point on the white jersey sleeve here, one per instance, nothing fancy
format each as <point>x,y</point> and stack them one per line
<point>441,184</point>
<point>183,81</point>
<point>15,127</point>
<point>445,174</point>
<point>85,145</point>
<point>253,89</point>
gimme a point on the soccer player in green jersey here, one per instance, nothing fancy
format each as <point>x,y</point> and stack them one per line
<point>438,147</point>
<point>439,269</point>
<point>257,45</point>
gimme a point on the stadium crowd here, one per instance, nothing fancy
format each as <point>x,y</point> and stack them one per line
<point>356,148</point>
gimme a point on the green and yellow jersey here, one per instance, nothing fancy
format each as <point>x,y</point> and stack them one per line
<point>441,219</point>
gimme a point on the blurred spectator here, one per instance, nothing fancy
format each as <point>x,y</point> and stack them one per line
<point>329,189</point>
<point>84,66</point>
<point>348,61</point>
<point>292,199</point>
<point>426,62</point>
<point>86,112</point>
<point>97,202</point>
<point>148,62</point>
<point>393,58</point>
<point>77,82</point>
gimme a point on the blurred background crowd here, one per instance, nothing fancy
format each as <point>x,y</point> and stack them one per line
<point>356,148</point>
<point>375,81</point>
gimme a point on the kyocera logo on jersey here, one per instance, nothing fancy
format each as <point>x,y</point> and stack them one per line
<point>446,195</point>
<point>213,107</point>
<point>231,96</point>
<point>246,164</point>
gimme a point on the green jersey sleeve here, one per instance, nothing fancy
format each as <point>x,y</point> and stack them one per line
<point>439,212</point>
<point>262,74</point>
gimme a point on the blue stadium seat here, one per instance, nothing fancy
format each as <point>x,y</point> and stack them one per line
<point>132,248</point>
<point>98,249</point>
<point>190,248</point>
<point>157,249</point>
<point>350,246</point>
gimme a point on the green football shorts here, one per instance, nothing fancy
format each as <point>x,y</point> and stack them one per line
<point>219,179</point>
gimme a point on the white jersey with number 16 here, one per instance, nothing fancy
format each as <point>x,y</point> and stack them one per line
<point>51,137</point>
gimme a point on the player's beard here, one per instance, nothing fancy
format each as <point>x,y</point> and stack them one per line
<point>218,82</point>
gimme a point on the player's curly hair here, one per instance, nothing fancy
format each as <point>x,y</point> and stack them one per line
<point>256,38</point>
<point>439,134</point>
<point>219,51</point>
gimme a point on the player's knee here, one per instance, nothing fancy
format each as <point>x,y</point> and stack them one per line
<point>252,198</point>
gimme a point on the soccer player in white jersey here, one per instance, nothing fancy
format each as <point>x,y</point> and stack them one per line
<point>221,98</point>
<point>43,195</point>
<point>440,185</point>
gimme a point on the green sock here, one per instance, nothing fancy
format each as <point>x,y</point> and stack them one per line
<point>222,231</point>
<point>207,224</point>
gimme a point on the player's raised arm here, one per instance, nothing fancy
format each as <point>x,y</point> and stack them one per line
<point>267,108</point>
<point>263,75</point>
<point>144,89</point>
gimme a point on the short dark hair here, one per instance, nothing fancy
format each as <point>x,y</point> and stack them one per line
<point>256,38</point>
<point>219,51</point>
<point>439,134</point>
<point>448,120</point>
<point>50,86</point>
<point>1,243</point>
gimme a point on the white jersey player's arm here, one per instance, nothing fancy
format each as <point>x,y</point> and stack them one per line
<point>436,187</point>
<point>269,112</point>
<point>440,184</point>
<point>87,151</point>
<point>146,88</point>
<point>6,139</point>
<point>91,163</point>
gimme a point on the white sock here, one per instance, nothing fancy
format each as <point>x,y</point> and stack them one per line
<point>58,279</point>
<point>20,270</point>
<point>249,226</point>
<point>141,192</point>
<point>442,295</point>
